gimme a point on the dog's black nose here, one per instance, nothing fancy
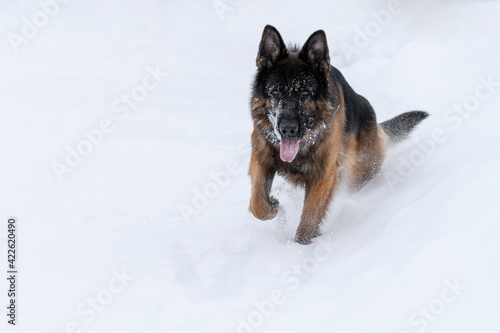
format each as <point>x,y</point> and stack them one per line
<point>289,128</point>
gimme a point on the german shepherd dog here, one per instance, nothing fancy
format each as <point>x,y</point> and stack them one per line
<point>312,128</point>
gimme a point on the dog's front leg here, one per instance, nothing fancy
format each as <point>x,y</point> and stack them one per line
<point>262,205</point>
<point>318,195</point>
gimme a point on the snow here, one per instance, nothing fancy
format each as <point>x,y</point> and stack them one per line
<point>422,237</point>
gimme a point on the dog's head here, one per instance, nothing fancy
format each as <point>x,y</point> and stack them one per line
<point>291,95</point>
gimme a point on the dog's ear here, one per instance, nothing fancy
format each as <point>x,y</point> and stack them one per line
<point>271,48</point>
<point>315,51</point>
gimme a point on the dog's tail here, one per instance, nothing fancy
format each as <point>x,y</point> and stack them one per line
<point>399,127</point>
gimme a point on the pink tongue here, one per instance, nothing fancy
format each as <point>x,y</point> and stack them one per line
<point>288,149</point>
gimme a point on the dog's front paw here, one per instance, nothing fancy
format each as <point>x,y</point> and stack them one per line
<point>302,239</point>
<point>304,236</point>
<point>264,209</point>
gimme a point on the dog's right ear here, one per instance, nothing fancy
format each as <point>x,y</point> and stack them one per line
<point>271,49</point>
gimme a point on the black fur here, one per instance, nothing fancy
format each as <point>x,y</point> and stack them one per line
<point>399,127</point>
<point>359,113</point>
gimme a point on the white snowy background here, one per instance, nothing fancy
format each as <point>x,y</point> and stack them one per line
<point>418,250</point>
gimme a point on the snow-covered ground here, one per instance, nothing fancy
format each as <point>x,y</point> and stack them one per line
<point>132,212</point>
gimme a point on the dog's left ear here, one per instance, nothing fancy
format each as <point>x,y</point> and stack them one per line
<point>315,51</point>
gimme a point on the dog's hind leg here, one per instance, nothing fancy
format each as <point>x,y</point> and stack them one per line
<point>366,155</point>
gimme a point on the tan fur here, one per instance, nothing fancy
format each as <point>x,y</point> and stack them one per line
<point>320,184</point>
<point>262,177</point>
<point>319,191</point>
<point>363,157</point>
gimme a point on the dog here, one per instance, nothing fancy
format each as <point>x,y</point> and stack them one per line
<point>311,127</point>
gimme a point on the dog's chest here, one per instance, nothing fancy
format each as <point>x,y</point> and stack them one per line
<point>300,171</point>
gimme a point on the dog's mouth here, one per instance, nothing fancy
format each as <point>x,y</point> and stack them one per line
<point>289,149</point>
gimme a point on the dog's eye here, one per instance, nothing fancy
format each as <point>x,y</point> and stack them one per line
<point>276,93</point>
<point>304,93</point>
<point>310,122</point>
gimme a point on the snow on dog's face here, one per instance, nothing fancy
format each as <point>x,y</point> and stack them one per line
<point>290,103</point>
